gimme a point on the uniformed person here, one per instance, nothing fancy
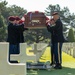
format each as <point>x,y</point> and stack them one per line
<point>52,23</point>
<point>15,35</point>
<point>57,40</point>
<point>19,31</point>
<point>11,38</point>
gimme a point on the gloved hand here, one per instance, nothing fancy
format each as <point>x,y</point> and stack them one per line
<point>47,22</point>
<point>21,22</point>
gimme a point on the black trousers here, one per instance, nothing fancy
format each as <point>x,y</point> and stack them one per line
<point>13,49</point>
<point>56,52</point>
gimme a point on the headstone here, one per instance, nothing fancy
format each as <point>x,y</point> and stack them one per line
<point>7,68</point>
<point>38,49</point>
<point>74,50</point>
<point>23,57</point>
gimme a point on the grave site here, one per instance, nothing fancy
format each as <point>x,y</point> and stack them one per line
<point>35,59</point>
<point>27,55</point>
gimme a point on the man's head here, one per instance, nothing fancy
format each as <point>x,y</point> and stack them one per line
<point>55,16</point>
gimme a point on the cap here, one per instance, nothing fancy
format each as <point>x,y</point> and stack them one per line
<point>17,18</point>
<point>11,18</point>
<point>55,13</point>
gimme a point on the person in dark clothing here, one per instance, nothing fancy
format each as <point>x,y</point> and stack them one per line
<point>14,36</point>
<point>20,30</point>
<point>57,40</point>
<point>52,23</point>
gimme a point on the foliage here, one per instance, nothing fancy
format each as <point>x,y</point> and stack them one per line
<point>16,11</point>
<point>37,35</point>
<point>71,37</point>
<point>12,10</point>
<point>2,29</point>
<point>51,8</point>
<point>2,5</point>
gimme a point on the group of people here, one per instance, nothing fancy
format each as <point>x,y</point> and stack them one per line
<point>15,35</point>
<point>54,26</point>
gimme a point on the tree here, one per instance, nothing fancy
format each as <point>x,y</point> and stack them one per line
<point>51,8</point>
<point>2,29</point>
<point>13,11</point>
<point>37,35</point>
<point>2,6</point>
<point>71,37</point>
<point>16,11</point>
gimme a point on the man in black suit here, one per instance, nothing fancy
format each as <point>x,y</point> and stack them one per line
<point>19,31</point>
<point>12,37</point>
<point>15,35</point>
<point>57,40</point>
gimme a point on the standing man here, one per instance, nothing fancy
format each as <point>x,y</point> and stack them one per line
<point>19,31</point>
<point>15,36</point>
<point>12,37</point>
<point>51,24</point>
<point>57,39</point>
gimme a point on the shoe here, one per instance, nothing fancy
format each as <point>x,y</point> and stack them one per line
<point>52,64</point>
<point>58,67</point>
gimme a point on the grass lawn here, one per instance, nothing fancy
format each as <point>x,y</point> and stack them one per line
<point>68,63</point>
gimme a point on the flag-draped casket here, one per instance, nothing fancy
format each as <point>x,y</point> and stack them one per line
<point>35,20</point>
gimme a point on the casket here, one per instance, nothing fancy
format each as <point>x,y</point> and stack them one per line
<point>34,20</point>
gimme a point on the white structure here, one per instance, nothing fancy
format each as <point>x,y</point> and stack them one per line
<point>38,49</point>
<point>69,48</point>
<point>23,57</point>
<point>7,68</point>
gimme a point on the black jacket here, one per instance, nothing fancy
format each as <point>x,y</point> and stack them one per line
<point>20,31</point>
<point>56,31</point>
<point>15,33</point>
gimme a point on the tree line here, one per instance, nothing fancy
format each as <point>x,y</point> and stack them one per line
<point>37,35</point>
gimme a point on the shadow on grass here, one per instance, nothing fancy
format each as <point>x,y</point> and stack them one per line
<point>63,71</point>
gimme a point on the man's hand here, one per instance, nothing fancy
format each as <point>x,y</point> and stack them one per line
<point>48,22</point>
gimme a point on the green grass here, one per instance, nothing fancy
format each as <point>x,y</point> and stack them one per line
<point>68,63</point>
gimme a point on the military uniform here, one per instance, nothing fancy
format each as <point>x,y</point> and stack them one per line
<point>57,40</point>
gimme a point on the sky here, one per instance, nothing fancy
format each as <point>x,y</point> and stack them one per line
<point>41,5</point>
